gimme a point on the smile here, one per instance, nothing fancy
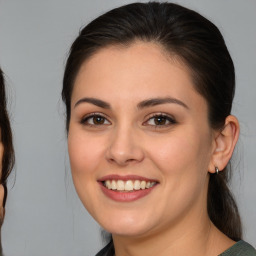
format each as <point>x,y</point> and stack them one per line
<point>126,188</point>
<point>128,185</point>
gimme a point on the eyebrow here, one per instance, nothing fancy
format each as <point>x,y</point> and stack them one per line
<point>159,101</point>
<point>97,102</point>
<point>144,104</point>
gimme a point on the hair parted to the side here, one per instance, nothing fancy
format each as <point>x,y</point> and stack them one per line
<point>6,137</point>
<point>199,44</point>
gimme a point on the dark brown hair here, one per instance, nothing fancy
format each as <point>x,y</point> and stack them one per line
<point>195,41</point>
<point>6,137</point>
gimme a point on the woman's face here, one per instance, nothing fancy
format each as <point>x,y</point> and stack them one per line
<point>139,140</point>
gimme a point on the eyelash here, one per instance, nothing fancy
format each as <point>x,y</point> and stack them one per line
<point>166,118</point>
<point>85,120</point>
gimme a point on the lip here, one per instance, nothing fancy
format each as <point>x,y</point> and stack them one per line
<point>123,196</point>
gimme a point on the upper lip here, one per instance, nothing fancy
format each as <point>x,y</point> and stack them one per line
<point>125,178</point>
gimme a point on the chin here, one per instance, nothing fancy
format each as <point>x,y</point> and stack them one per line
<point>128,231</point>
<point>126,225</point>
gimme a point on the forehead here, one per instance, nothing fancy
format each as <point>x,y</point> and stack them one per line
<point>133,54</point>
<point>140,69</point>
<point>138,53</point>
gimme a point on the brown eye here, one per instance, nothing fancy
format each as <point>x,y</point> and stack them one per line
<point>98,120</point>
<point>160,120</point>
<point>95,120</point>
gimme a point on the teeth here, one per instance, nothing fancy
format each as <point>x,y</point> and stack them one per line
<point>120,185</point>
<point>143,184</point>
<point>108,184</point>
<point>152,184</point>
<point>136,185</point>
<point>128,185</point>
<point>113,185</point>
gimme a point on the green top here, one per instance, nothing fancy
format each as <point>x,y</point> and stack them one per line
<point>240,248</point>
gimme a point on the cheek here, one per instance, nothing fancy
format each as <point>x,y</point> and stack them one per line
<point>181,155</point>
<point>84,153</point>
<point>182,162</point>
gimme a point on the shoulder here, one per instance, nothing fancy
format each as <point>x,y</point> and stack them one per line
<point>241,248</point>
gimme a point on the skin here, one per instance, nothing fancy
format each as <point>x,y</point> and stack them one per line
<point>173,218</point>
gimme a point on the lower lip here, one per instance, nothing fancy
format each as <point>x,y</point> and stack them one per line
<point>123,196</point>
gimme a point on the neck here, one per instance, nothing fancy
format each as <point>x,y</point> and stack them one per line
<point>201,238</point>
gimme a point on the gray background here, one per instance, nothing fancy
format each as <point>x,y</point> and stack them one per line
<point>43,214</point>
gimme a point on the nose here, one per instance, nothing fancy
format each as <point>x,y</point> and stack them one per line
<point>124,147</point>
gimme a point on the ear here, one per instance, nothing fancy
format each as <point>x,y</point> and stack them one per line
<point>224,144</point>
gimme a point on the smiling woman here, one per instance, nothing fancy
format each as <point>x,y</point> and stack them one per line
<point>6,148</point>
<point>148,90</point>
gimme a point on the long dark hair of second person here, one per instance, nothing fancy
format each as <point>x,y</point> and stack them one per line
<point>6,139</point>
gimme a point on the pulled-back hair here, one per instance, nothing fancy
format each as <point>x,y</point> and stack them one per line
<point>6,137</point>
<point>199,44</point>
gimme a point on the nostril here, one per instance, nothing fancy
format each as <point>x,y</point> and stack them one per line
<point>124,151</point>
<point>130,160</point>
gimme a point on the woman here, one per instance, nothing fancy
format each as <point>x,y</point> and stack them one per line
<point>148,90</point>
<point>6,148</point>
